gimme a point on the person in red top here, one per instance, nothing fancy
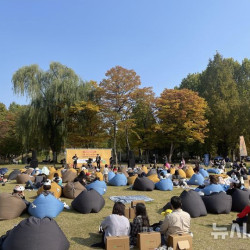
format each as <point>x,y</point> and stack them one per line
<point>242,217</point>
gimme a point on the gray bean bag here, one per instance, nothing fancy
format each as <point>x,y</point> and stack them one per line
<point>23,178</point>
<point>11,206</point>
<point>13,174</point>
<point>192,203</point>
<point>218,203</point>
<point>36,234</point>
<point>151,172</point>
<point>240,199</point>
<point>143,184</point>
<point>88,202</point>
<point>73,189</point>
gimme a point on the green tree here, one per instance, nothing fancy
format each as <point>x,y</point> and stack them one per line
<point>51,93</point>
<point>181,115</point>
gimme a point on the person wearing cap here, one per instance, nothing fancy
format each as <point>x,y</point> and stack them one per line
<point>47,187</point>
<point>18,191</point>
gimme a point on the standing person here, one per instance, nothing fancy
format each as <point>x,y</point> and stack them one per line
<point>154,160</point>
<point>98,161</point>
<point>105,173</point>
<point>75,158</point>
<point>140,223</point>
<point>165,160</point>
<point>116,224</point>
<point>111,162</point>
<point>178,222</point>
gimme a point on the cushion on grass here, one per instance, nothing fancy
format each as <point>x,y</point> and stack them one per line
<point>69,175</point>
<point>132,179</point>
<point>204,172</point>
<point>196,179</point>
<point>192,203</point>
<point>23,178</point>
<point>52,169</point>
<point>143,184</point>
<point>55,188</point>
<point>3,171</point>
<point>144,169</point>
<point>29,171</point>
<point>36,234</point>
<point>11,206</point>
<point>182,174</point>
<point>189,172</point>
<point>213,171</point>
<point>212,188</point>
<point>73,189</point>
<point>88,202</point>
<point>99,175</point>
<point>13,174</point>
<point>99,186</point>
<point>218,203</point>
<point>45,170</point>
<point>111,174</point>
<point>164,185</point>
<point>45,206</point>
<point>240,199</point>
<point>172,171</point>
<point>51,175</point>
<point>154,178</point>
<point>152,171</point>
<point>118,180</point>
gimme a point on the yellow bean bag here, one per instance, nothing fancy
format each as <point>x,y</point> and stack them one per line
<point>55,188</point>
<point>189,172</point>
<point>99,175</point>
<point>154,178</point>
<point>182,174</point>
<point>52,169</point>
<point>145,169</point>
<point>51,175</point>
<point>131,179</point>
<point>172,171</point>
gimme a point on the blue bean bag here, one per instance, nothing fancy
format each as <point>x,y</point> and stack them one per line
<point>164,185</point>
<point>213,171</point>
<point>99,186</point>
<point>118,180</point>
<point>204,172</point>
<point>212,188</point>
<point>196,179</point>
<point>3,171</point>
<point>45,206</point>
<point>13,174</point>
<point>111,175</point>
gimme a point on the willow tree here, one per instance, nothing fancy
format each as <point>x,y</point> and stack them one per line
<point>181,115</point>
<point>117,99</point>
<point>51,93</point>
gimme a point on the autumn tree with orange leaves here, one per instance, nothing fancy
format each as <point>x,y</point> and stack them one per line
<point>181,115</point>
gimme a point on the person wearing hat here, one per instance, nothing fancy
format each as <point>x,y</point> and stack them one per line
<point>47,187</point>
<point>18,191</point>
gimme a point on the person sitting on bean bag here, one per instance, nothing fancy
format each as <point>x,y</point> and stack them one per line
<point>213,187</point>
<point>81,178</point>
<point>19,192</point>
<point>197,178</point>
<point>39,180</point>
<point>47,187</point>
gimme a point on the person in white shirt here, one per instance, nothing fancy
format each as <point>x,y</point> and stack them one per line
<point>116,224</point>
<point>105,173</point>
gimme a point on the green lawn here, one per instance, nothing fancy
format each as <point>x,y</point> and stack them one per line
<point>82,229</point>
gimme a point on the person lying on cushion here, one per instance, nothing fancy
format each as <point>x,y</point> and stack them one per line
<point>116,224</point>
<point>46,188</point>
<point>140,223</point>
<point>177,222</point>
<point>39,180</point>
<point>18,191</point>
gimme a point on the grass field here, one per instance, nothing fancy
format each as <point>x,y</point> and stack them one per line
<point>82,229</point>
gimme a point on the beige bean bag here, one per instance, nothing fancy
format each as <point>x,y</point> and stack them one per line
<point>55,188</point>
<point>11,206</point>
<point>23,178</point>
<point>69,175</point>
<point>73,189</point>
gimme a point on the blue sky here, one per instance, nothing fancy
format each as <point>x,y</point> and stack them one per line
<point>162,40</point>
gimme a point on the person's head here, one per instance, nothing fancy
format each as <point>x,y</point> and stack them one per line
<point>106,165</point>
<point>197,169</point>
<point>18,189</point>
<point>140,209</point>
<point>213,179</point>
<point>176,202</point>
<point>47,185</point>
<point>118,208</point>
<point>56,175</point>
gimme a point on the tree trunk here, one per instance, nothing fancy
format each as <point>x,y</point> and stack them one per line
<point>127,143</point>
<point>171,152</point>
<point>115,152</point>
<point>54,156</point>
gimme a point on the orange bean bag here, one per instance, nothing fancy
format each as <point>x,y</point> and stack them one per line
<point>189,172</point>
<point>144,169</point>
<point>99,175</point>
<point>154,178</point>
<point>172,171</point>
<point>131,179</point>
<point>182,173</point>
<point>51,175</point>
<point>55,188</point>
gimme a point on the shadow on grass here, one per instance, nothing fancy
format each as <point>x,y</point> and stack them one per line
<point>92,239</point>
